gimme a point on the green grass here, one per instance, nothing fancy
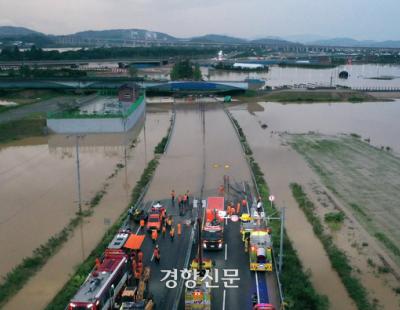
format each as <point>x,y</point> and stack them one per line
<point>334,220</point>
<point>296,284</point>
<point>337,257</point>
<point>27,127</point>
<point>160,147</point>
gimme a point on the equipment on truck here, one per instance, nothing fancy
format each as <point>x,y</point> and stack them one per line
<point>199,297</point>
<point>104,284</point>
<point>260,252</point>
<point>213,230</point>
<point>135,298</point>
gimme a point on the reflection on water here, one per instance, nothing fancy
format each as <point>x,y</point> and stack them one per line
<point>375,120</point>
<point>360,75</point>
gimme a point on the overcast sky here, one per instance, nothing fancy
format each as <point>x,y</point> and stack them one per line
<point>360,19</point>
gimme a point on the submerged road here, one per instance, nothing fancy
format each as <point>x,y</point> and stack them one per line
<point>203,148</point>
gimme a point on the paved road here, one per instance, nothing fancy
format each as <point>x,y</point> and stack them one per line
<point>45,106</point>
<point>203,133</point>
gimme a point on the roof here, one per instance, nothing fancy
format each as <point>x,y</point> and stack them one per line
<point>134,242</point>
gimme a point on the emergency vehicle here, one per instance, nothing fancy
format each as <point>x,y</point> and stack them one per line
<point>213,229</point>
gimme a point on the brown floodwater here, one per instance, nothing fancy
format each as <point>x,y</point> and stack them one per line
<point>281,166</point>
<point>377,121</point>
<point>38,177</point>
<point>50,279</point>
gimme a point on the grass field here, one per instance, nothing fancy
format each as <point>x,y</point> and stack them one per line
<point>32,126</point>
<point>365,178</point>
<point>307,96</point>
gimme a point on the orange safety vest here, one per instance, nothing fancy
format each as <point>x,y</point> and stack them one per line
<point>238,208</point>
<point>142,223</point>
<point>172,232</point>
<point>185,197</point>
<point>179,229</point>
<point>156,253</point>
<point>244,202</point>
<point>154,234</point>
<point>97,263</point>
<point>179,198</point>
<point>140,256</point>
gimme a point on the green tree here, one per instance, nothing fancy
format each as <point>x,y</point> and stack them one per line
<point>197,73</point>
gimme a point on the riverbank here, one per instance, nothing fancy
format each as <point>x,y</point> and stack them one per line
<point>309,96</point>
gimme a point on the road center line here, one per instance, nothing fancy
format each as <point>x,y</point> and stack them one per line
<point>223,300</point>
<point>258,290</point>
<point>226,251</point>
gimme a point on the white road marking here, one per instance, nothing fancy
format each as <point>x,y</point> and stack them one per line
<point>226,251</point>
<point>223,300</point>
<point>258,290</point>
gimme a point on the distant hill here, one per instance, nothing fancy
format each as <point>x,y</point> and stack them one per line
<point>122,34</point>
<point>217,38</point>
<point>10,31</point>
<point>273,41</point>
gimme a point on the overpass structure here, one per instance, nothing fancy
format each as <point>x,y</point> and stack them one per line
<point>113,83</point>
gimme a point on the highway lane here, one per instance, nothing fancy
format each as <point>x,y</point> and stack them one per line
<point>205,147</point>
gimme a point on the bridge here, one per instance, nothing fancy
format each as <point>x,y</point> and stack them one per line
<point>113,83</point>
<point>377,89</point>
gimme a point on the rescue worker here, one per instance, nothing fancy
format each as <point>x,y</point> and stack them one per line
<point>259,206</point>
<point>244,203</point>
<point>97,262</point>
<point>188,198</point>
<point>130,213</point>
<point>156,254</point>
<point>185,200</point>
<point>163,231</point>
<point>173,198</point>
<point>141,223</point>
<point>172,234</point>
<point>169,222</point>
<point>179,226</point>
<point>238,208</point>
<point>154,235</point>
<point>140,256</point>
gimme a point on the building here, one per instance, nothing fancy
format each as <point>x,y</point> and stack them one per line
<point>102,115</point>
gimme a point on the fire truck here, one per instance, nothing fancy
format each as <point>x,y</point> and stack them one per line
<point>103,284</point>
<point>260,250</point>
<point>213,229</point>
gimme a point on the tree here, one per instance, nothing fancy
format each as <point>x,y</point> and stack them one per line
<point>197,73</point>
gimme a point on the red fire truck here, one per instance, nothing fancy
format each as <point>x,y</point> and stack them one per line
<point>213,229</point>
<point>103,285</point>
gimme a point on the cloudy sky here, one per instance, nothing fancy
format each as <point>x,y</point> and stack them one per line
<point>360,19</point>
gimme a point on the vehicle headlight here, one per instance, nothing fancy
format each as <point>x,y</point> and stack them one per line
<point>220,245</point>
<point>72,305</point>
<point>89,306</point>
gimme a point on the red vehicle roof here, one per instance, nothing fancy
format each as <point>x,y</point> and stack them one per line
<point>216,203</point>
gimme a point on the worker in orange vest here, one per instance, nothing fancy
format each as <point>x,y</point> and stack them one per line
<point>244,203</point>
<point>156,254</point>
<point>169,222</point>
<point>172,233</point>
<point>163,231</point>
<point>173,198</point>
<point>179,226</point>
<point>142,223</point>
<point>238,208</point>
<point>140,256</point>
<point>97,262</point>
<point>154,235</point>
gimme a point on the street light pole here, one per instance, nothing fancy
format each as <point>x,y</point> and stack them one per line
<point>281,242</point>
<point>78,173</point>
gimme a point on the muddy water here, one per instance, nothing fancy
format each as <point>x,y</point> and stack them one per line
<point>49,280</point>
<point>360,76</point>
<point>375,120</point>
<point>282,166</point>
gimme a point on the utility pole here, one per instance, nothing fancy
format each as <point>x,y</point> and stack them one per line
<point>78,174</point>
<point>281,242</point>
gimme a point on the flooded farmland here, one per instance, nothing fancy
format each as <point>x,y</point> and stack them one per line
<point>283,165</point>
<point>367,75</point>
<point>38,178</point>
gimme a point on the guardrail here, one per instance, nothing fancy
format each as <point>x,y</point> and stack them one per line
<point>281,297</point>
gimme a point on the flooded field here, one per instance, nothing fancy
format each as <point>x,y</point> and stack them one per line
<point>283,165</point>
<point>360,76</point>
<point>376,121</point>
<point>45,207</point>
